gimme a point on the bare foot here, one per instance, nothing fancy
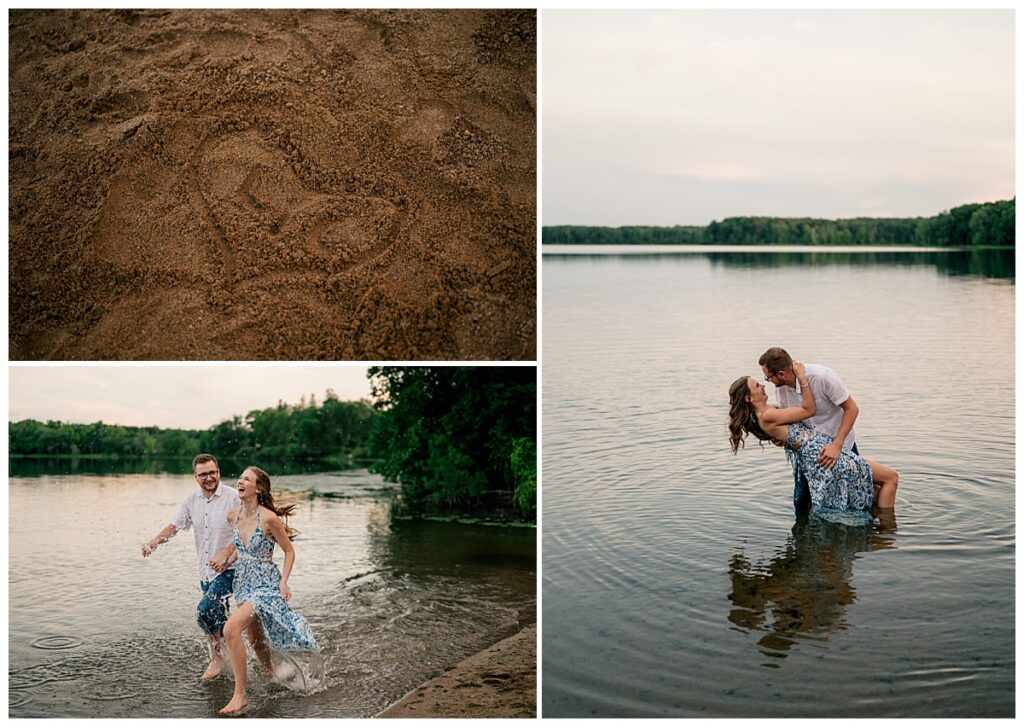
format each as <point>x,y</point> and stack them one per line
<point>236,705</point>
<point>213,670</point>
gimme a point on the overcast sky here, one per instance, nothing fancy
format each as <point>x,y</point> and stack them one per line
<point>688,116</point>
<point>189,397</point>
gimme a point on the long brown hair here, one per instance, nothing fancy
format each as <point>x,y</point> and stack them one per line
<point>265,498</point>
<point>742,419</point>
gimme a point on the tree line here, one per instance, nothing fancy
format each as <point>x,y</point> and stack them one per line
<point>334,428</point>
<point>971,225</point>
<point>456,439</point>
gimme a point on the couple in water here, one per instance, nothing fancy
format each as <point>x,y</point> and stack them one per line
<point>235,533</point>
<point>814,421</point>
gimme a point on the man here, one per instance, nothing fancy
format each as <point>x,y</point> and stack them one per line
<point>836,409</point>
<point>206,511</point>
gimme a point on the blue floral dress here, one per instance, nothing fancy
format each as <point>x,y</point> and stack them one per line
<point>845,488</point>
<point>258,581</point>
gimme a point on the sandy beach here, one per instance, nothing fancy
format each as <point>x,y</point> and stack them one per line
<point>498,682</point>
<point>272,184</point>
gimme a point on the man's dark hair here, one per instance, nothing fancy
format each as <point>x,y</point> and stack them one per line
<point>775,359</point>
<point>200,458</point>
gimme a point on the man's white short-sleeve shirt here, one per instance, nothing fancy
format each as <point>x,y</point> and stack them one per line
<point>208,519</point>
<point>829,392</point>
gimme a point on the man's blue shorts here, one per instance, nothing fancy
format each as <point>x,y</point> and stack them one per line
<point>212,612</point>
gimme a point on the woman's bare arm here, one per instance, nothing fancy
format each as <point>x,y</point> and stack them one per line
<point>280,535</point>
<point>793,414</point>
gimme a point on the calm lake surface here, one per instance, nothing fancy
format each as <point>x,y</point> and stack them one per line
<point>96,630</point>
<point>677,579</point>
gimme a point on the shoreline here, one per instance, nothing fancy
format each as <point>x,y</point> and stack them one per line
<point>500,681</point>
<point>623,248</point>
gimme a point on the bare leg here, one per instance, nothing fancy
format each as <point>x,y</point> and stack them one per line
<point>886,520</point>
<point>258,639</point>
<point>885,481</point>
<point>233,630</point>
<point>216,658</point>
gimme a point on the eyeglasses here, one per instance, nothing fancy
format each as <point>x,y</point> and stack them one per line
<point>204,475</point>
<point>772,376</point>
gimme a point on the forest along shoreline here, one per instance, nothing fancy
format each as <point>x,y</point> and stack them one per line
<point>986,225</point>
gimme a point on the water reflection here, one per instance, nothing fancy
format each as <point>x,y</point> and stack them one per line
<point>996,263</point>
<point>623,339</point>
<point>425,547</point>
<point>985,262</point>
<point>804,590</point>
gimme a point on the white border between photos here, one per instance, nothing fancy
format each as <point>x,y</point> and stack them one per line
<point>540,6</point>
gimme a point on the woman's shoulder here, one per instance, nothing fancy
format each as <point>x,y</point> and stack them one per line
<point>267,515</point>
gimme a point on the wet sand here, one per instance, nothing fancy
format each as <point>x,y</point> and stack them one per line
<point>272,184</point>
<point>498,682</point>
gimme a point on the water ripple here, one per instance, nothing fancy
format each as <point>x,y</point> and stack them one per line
<point>56,643</point>
<point>677,581</point>
<point>17,698</point>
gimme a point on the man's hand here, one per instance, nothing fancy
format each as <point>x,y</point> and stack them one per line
<point>220,561</point>
<point>830,455</point>
<point>162,537</point>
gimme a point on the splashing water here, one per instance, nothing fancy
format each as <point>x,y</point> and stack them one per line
<point>392,603</point>
<point>301,673</point>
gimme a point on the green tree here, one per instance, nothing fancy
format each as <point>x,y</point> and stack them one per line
<point>524,469</point>
<point>972,224</point>
<point>446,434</point>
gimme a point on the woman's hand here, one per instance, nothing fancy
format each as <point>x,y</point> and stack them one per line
<point>799,370</point>
<point>223,558</point>
<point>286,592</point>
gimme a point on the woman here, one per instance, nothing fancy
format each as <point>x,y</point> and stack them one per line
<point>852,484</point>
<point>260,589</point>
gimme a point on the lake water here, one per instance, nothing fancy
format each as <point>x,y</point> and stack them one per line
<point>96,630</point>
<point>677,579</point>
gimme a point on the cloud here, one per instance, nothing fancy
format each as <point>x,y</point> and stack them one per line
<point>836,106</point>
<point>193,397</point>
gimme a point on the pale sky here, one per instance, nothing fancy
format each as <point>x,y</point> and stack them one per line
<point>688,116</point>
<point>188,397</point>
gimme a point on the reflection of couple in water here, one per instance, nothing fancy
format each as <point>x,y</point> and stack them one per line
<point>814,421</point>
<point>804,589</point>
<point>235,533</point>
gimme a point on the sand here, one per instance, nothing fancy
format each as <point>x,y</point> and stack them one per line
<point>273,184</point>
<point>498,682</point>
